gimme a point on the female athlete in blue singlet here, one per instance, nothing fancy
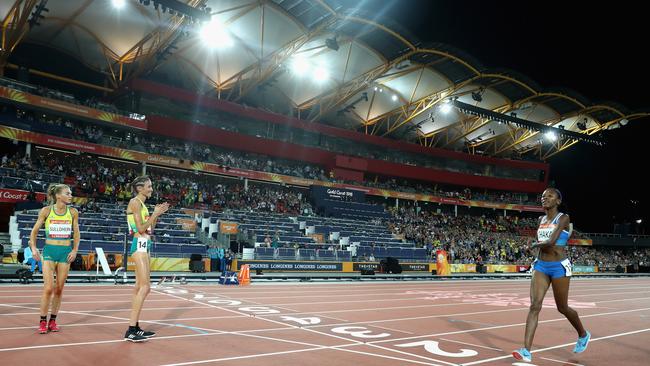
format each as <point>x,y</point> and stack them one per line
<point>551,267</point>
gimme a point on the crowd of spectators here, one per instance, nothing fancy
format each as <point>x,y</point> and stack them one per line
<point>467,238</point>
<point>185,150</point>
<point>609,257</point>
<point>108,180</point>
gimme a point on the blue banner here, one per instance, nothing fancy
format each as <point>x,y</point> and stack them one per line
<point>584,269</point>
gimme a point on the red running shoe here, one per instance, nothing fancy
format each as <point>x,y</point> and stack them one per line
<point>42,328</point>
<point>52,327</point>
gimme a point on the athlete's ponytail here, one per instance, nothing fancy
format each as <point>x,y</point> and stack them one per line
<point>138,182</point>
<point>53,190</point>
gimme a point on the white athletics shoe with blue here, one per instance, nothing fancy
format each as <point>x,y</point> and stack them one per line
<point>522,354</point>
<point>581,344</point>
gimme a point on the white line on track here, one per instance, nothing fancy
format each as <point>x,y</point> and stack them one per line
<point>561,346</point>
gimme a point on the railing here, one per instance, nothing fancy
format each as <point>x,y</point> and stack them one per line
<point>24,184</point>
<point>26,174</point>
<point>69,98</point>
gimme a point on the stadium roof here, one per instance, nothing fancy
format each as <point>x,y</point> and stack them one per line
<point>316,60</point>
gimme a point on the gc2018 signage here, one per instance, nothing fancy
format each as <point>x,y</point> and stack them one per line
<point>338,194</point>
<point>17,195</point>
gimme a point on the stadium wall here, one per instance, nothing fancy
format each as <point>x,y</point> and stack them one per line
<point>214,136</point>
<point>237,109</point>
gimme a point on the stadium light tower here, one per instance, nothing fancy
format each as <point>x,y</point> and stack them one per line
<point>118,4</point>
<point>332,43</point>
<point>445,107</point>
<point>321,74</point>
<point>215,35</point>
<point>300,66</point>
<point>551,136</point>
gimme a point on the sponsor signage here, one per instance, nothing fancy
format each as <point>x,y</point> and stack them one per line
<point>292,266</point>
<point>406,267</point>
<point>226,227</point>
<point>17,195</point>
<point>584,269</point>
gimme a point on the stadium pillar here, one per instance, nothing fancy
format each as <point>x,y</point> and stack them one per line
<point>397,203</point>
<point>144,168</point>
<point>28,149</point>
<point>455,210</point>
<point>245,184</point>
<point>505,214</point>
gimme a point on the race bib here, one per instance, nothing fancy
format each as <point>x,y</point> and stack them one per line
<point>544,234</point>
<point>60,229</point>
<point>567,267</point>
<point>142,244</point>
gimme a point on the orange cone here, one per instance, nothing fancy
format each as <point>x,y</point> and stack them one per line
<point>244,275</point>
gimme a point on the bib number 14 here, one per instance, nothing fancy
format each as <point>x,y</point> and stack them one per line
<point>142,244</point>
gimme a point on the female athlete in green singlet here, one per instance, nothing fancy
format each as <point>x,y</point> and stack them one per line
<point>140,229</point>
<point>61,228</point>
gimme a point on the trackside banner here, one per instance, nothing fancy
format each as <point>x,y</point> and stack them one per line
<point>292,266</point>
<point>406,267</point>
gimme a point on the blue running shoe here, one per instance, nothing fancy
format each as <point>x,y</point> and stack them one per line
<point>522,354</point>
<point>581,344</point>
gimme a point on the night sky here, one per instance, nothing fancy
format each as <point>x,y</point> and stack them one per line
<point>594,49</point>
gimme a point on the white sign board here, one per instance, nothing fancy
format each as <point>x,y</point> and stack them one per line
<point>101,259</point>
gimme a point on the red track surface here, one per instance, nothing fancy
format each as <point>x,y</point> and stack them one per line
<point>396,323</point>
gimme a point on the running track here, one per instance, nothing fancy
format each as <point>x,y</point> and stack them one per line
<point>389,323</point>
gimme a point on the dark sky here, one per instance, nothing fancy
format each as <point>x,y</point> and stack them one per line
<point>595,49</point>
